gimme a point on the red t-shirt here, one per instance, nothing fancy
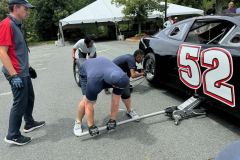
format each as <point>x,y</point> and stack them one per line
<point>12,37</point>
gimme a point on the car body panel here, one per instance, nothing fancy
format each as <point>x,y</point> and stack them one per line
<point>218,39</point>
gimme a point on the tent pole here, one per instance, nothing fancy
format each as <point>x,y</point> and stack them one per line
<point>116,26</point>
<point>165,18</point>
<point>61,33</point>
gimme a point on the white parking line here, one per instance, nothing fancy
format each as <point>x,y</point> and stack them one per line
<point>5,94</point>
<point>103,50</point>
<point>41,69</point>
<point>39,64</point>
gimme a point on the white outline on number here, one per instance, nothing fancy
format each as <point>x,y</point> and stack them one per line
<point>187,68</point>
<point>219,83</point>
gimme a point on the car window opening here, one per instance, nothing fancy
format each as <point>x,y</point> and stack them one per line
<point>175,31</point>
<point>235,39</point>
<point>178,32</point>
<point>209,32</point>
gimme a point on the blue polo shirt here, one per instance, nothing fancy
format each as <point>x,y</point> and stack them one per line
<point>12,37</point>
<point>126,63</point>
<point>102,73</point>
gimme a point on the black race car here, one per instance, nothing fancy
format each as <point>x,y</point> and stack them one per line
<point>198,55</point>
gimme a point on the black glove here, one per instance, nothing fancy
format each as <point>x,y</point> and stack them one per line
<point>16,82</point>
<point>145,73</point>
<point>33,73</point>
<point>93,130</point>
<point>111,124</point>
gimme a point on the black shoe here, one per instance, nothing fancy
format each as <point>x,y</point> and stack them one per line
<point>93,130</point>
<point>20,141</point>
<point>107,92</point>
<point>35,125</point>
<point>111,125</point>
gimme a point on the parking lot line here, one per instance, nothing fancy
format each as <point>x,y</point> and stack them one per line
<point>41,69</point>
<point>101,51</point>
<point>5,94</point>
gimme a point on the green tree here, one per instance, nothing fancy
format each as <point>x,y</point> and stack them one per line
<point>189,3</point>
<point>48,13</point>
<point>43,21</point>
<point>3,9</point>
<point>204,4</point>
<point>137,10</point>
<point>220,4</point>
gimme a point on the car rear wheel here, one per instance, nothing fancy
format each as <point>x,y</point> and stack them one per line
<point>150,67</point>
<point>76,74</point>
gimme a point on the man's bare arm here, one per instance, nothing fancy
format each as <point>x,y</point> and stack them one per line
<point>135,74</point>
<point>5,59</point>
<point>73,52</point>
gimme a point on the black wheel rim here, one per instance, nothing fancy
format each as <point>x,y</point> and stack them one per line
<point>76,70</point>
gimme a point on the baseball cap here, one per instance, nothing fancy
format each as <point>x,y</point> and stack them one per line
<point>21,2</point>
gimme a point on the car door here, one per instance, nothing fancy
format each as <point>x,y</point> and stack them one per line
<point>208,60</point>
<point>232,44</point>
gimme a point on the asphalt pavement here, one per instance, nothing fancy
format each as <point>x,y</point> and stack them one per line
<point>156,138</point>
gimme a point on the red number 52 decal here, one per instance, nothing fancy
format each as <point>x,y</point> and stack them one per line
<point>219,70</point>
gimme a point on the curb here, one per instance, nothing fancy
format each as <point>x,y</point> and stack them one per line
<point>132,40</point>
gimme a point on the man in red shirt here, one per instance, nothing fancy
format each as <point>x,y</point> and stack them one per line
<point>14,57</point>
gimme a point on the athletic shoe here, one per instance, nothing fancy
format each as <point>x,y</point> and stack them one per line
<point>132,114</point>
<point>111,124</point>
<point>35,125</point>
<point>77,129</point>
<point>107,92</point>
<point>20,141</point>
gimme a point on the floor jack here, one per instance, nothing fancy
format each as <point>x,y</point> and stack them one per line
<point>188,109</point>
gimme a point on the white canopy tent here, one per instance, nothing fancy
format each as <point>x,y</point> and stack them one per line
<point>175,10</point>
<point>98,11</point>
<point>105,11</point>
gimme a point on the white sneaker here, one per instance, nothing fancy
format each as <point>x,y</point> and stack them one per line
<point>77,129</point>
<point>132,114</point>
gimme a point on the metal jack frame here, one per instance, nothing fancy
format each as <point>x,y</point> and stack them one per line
<point>186,110</point>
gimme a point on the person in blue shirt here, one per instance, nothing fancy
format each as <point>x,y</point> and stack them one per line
<point>97,74</point>
<point>230,152</point>
<point>127,63</point>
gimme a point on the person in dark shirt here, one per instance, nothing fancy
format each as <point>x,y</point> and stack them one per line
<point>229,152</point>
<point>127,63</point>
<point>97,74</point>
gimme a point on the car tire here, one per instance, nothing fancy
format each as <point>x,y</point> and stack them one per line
<point>150,67</point>
<point>76,74</point>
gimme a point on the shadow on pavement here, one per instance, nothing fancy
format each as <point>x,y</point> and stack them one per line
<point>139,131</point>
<point>55,132</point>
<point>141,89</point>
<point>213,112</point>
